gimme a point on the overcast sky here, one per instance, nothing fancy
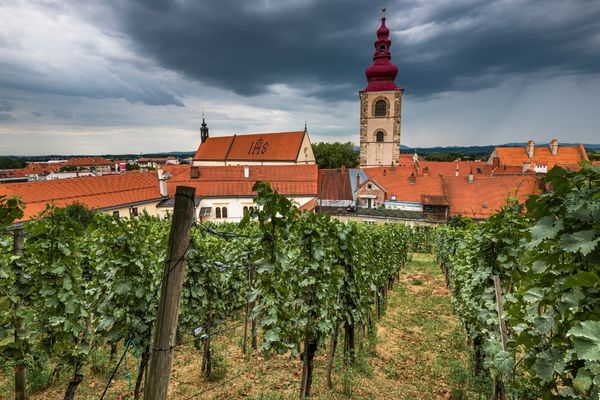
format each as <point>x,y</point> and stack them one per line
<point>116,76</point>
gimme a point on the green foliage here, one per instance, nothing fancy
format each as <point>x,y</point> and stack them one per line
<point>334,155</point>
<point>439,156</point>
<point>12,163</point>
<point>548,260</point>
<point>11,209</point>
<point>87,279</point>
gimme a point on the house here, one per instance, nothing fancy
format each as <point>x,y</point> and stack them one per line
<point>156,162</point>
<point>538,159</point>
<point>93,164</point>
<point>12,176</point>
<point>125,195</point>
<point>224,192</point>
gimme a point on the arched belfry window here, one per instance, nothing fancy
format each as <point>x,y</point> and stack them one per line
<point>379,136</point>
<point>381,49</point>
<point>380,108</point>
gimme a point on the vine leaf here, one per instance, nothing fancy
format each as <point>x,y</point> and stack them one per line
<point>546,228</point>
<point>582,279</point>
<point>582,241</point>
<point>586,340</point>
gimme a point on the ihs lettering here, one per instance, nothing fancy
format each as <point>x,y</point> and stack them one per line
<point>258,147</point>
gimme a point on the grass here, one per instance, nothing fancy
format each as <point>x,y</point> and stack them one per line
<point>420,353</point>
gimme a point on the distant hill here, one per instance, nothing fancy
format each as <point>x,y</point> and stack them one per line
<point>475,150</point>
<point>483,149</point>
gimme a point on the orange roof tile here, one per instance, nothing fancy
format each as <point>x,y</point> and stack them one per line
<point>487,194</point>
<point>98,192</point>
<point>282,146</point>
<point>517,156</point>
<point>396,182</point>
<point>229,180</point>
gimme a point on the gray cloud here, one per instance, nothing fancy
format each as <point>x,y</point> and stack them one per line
<point>439,46</point>
<point>5,106</point>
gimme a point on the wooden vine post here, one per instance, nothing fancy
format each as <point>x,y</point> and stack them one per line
<point>159,372</point>
<point>499,389</point>
<point>20,377</point>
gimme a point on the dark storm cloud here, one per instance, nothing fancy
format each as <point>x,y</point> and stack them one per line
<point>439,46</point>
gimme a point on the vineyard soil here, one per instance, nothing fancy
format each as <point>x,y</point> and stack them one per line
<point>421,353</point>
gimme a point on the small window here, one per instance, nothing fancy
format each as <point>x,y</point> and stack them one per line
<point>245,208</point>
<point>380,108</point>
<point>393,197</point>
<point>224,212</point>
<point>134,212</point>
<point>369,186</point>
<point>379,136</point>
<point>218,212</point>
<point>116,214</point>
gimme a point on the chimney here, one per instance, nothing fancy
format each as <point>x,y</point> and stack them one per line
<point>526,166</point>
<point>162,183</point>
<point>554,146</point>
<point>384,172</point>
<point>246,171</point>
<point>530,148</point>
<point>456,171</point>
<point>426,171</point>
<point>357,178</point>
<point>412,179</point>
<point>470,177</point>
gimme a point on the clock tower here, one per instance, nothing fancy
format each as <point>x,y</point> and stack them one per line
<point>380,106</point>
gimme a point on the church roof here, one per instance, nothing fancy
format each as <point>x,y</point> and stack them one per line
<point>282,146</point>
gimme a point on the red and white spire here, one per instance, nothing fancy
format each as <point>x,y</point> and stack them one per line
<point>382,73</point>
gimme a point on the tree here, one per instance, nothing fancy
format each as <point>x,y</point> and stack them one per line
<point>334,155</point>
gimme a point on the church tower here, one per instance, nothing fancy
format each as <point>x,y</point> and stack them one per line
<point>380,106</point>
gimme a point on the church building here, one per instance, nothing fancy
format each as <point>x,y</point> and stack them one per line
<point>380,107</point>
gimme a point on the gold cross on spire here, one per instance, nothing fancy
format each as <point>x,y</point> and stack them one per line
<point>383,9</point>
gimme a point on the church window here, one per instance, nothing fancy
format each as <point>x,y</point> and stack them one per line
<point>224,212</point>
<point>218,212</point>
<point>380,108</point>
<point>379,136</point>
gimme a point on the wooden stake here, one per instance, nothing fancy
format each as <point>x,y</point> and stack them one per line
<point>500,310</point>
<point>159,372</point>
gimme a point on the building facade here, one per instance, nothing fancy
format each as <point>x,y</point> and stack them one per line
<point>380,107</point>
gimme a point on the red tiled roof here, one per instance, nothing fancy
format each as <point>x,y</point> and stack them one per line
<point>517,156</point>
<point>229,180</point>
<point>334,184</point>
<point>487,194</point>
<point>396,182</point>
<point>283,146</point>
<point>88,162</point>
<point>96,192</point>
